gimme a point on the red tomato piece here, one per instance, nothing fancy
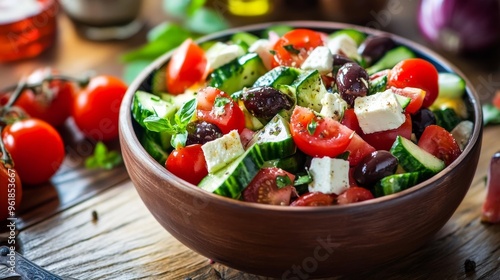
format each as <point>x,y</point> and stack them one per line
<point>36,148</point>
<point>54,106</point>
<point>10,187</point>
<point>216,107</point>
<point>351,121</point>
<point>314,199</point>
<point>417,73</point>
<point>264,187</point>
<point>294,47</point>
<point>354,194</point>
<point>186,67</point>
<point>358,149</point>
<point>97,106</point>
<point>416,95</point>
<point>318,136</point>
<point>188,163</point>
<point>439,142</point>
<point>496,100</point>
<point>383,140</point>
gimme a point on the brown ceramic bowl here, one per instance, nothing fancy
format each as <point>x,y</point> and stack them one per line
<point>287,241</point>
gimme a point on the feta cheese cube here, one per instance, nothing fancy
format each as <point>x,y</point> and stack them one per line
<point>220,54</point>
<point>262,48</point>
<point>221,151</point>
<point>333,106</point>
<point>344,45</point>
<point>319,59</point>
<point>379,112</point>
<point>330,175</point>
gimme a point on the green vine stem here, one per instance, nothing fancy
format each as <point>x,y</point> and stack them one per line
<point>82,82</point>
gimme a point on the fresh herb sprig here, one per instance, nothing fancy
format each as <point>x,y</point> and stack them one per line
<point>103,158</point>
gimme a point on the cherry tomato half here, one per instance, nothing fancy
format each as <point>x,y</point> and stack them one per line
<point>186,67</point>
<point>314,199</point>
<point>36,148</point>
<point>354,194</point>
<point>264,187</point>
<point>53,106</point>
<point>188,163</point>
<point>416,96</point>
<point>318,136</point>
<point>383,140</point>
<point>417,73</point>
<point>96,108</point>
<point>10,187</point>
<point>439,142</point>
<point>294,47</point>
<point>216,107</point>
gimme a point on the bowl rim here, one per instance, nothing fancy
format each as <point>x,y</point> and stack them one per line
<point>129,136</point>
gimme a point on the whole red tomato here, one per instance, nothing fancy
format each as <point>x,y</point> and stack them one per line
<point>52,104</point>
<point>36,149</point>
<point>11,191</point>
<point>96,107</point>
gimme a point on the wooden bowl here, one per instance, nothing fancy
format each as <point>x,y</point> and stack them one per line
<point>299,242</point>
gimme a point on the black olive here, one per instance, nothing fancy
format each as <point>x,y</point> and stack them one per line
<point>352,82</point>
<point>422,119</point>
<point>201,132</point>
<point>374,47</point>
<point>374,167</point>
<point>265,102</point>
<point>338,61</point>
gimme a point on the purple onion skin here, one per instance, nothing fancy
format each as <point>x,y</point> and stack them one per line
<point>460,26</point>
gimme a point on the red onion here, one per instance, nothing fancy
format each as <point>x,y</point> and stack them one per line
<point>460,25</point>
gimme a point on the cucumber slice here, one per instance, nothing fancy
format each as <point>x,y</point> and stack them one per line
<point>232,179</point>
<point>403,100</point>
<point>447,118</point>
<point>396,183</point>
<point>275,140</point>
<point>147,104</point>
<point>390,59</point>
<point>237,74</point>
<point>451,85</point>
<point>280,75</point>
<point>415,159</point>
<point>153,148</point>
<point>378,85</point>
<point>356,35</point>
<point>244,39</point>
<point>309,90</point>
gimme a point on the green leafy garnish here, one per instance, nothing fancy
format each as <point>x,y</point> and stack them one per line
<point>178,129</point>
<point>491,114</point>
<point>344,155</point>
<point>220,102</point>
<point>103,158</point>
<point>303,179</point>
<point>311,127</point>
<point>291,49</point>
<point>283,181</point>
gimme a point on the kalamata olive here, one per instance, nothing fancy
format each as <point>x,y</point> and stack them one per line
<point>201,132</point>
<point>265,102</point>
<point>352,82</point>
<point>374,47</point>
<point>422,119</point>
<point>374,167</point>
<point>338,61</point>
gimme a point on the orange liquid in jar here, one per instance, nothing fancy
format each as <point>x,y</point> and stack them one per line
<point>27,28</point>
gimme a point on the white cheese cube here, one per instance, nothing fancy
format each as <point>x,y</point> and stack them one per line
<point>320,59</point>
<point>379,112</point>
<point>333,106</point>
<point>330,175</point>
<point>220,54</point>
<point>262,47</point>
<point>344,45</point>
<point>221,151</point>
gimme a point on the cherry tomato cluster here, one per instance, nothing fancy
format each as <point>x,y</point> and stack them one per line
<point>31,114</point>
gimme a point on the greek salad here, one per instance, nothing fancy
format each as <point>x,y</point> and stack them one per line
<point>302,118</point>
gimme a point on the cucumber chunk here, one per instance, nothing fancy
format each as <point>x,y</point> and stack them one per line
<point>451,85</point>
<point>378,85</point>
<point>232,179</point>
<point>396,183</point>
<point>415,159</point>
<point>403,100</point>
<point>147,104</point>
<point>237,74</point>
<point>280,75</point>
<point>275,140</point>
<point>153,148</point>
<point>447,118</point>
<point>309,90</point>
<point>356,35</point>
<point>390,59</point>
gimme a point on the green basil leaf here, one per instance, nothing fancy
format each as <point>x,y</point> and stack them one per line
<point>283,181</point>
<point>491,114</point>
<point>157,124</point>
<point>311,127</point>
<point>206,21</point>
<point>102,158</point>
<point>100,150</point>
<point>291,49</point>
<point>179,140</point>
<point>185,114</point>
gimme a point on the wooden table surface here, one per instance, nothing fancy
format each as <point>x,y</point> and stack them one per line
<point>56,229</point>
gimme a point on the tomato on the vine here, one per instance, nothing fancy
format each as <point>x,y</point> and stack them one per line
<point>217,107</point>
<point>314,199</point>
<point>439,142</point>
<point>294,47</point>
<point>186,67</point>
<point>417,73</point>
<point>52,104</point>
<point>354,194</point>
<point>270,186</point>
<point>10,187</point>
<point>188,163</point>
<point>96,107</point>
<point>318,136</point>
<point>36,148</point>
